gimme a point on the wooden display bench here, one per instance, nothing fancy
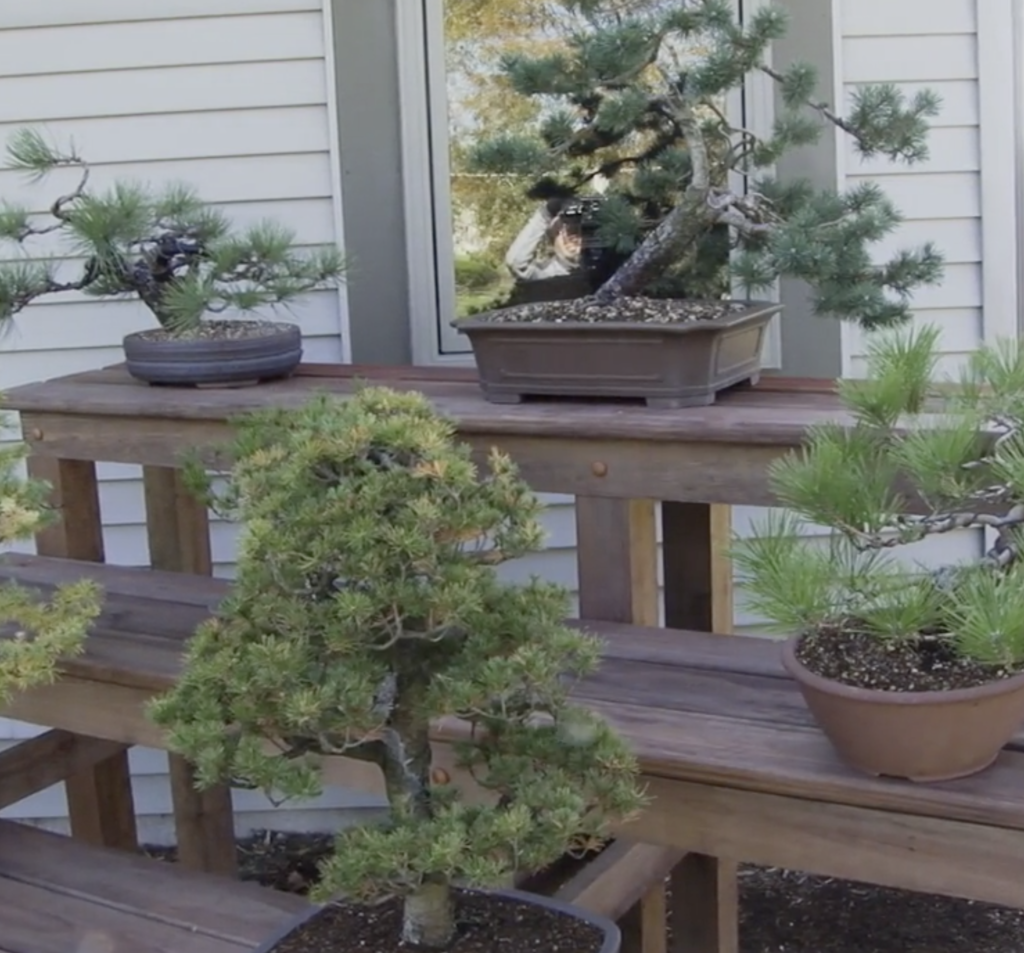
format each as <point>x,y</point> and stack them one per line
<point>736,768</point>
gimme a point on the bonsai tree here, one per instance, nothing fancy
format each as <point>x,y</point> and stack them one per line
<point>37,633</point>
<point>167,248</point>
<point>366,606</point>
<point>913,460</point>
<point>635,99</point>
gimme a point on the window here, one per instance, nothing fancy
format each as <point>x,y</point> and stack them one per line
<point>450,219</point>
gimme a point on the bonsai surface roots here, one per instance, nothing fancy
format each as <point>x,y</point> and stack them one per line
<point>638,310</point>
<point>486,925</point>
<point>863,660</point>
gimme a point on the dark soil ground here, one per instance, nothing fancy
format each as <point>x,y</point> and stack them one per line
<point>781,911</point>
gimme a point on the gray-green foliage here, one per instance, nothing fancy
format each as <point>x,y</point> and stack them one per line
<point>168,248</point>
<point>912,460</point>
<point>634,104</point>
<point>366,606</point>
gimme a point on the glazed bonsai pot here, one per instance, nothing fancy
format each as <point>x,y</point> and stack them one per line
<point>609,942</point>
<point>916,736</point>
<point>682,364</point>
<point>228,352</point>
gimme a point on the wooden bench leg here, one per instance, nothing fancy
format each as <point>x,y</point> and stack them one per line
<point>204,821</point>
<point>617,554</point>
<point>179,541</point>
<point>705,905</point>
<point>100,804</point>
<point>698,575</point>
<point>644,926</point>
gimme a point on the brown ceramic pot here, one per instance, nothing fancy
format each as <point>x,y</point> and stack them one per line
<point>666,365</point>
<point>918,736</point>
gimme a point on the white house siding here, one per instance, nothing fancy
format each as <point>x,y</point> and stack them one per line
<point>230,96</point>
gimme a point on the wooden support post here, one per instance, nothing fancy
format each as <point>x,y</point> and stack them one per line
<point>644,926</point>
<point>705,905</point>
<point>179,541</point>
<point>617,553</point>
<point>698,574</point>
<point>100,804</point>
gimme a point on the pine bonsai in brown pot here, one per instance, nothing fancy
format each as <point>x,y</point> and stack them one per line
<point>365,609</point>
<point>634,100</point>
<point>177,255</point>
<point>911,673</point>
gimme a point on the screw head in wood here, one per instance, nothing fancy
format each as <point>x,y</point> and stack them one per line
<point>599,468</point>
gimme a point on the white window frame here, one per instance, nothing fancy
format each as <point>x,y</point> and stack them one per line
<point>426,177</point>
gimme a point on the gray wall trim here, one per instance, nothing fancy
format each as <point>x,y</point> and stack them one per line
<point>811,345</point>
<point>370,146</point>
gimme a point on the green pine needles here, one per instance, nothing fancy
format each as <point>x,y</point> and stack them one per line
<point>913,460</point>
<point>166,248</point>
<point>365,607</point>
<point>37,633</point>
<point>636,98</point>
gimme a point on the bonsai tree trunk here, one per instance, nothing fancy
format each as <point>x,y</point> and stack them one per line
<point>428,918</point>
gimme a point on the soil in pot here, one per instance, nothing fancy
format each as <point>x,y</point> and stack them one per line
<point>668,352</point>
<point>909,709</point>
<point>215,353</point>
<point>862,660</point>
<point>487,924</point>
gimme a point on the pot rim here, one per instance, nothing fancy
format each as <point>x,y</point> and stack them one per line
<point>878,696</point>
<point>756,310</point>
<point>611,942</point>
<point>289,328</point>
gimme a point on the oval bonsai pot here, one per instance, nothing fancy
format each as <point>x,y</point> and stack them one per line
<point>611,942</point>
<point>230,352</point>
<point>682,364</point>
<point>916,736</point>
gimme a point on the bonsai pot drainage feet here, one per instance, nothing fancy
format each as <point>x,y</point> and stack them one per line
<point>667,361</point>
<point>915,736</point>
<point>223,353</point>
<point>504,921</point>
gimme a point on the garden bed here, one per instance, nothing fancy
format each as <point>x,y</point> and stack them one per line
<point>781,911</point>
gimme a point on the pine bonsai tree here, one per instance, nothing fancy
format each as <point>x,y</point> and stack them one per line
<point>638,96</point>
<point>916,461</point>
<point>37,633</point>
<point>174,253</point>
<point>366,606</point>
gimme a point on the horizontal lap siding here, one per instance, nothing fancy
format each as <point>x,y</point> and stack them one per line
<point>917,44</point>
<point>229,96</point>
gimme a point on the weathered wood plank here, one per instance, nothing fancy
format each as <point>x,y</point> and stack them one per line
<point>178,529</point>
<point>617,555</point>
<point>37,763</point>
<point>100,805</point>
<point>242,913</point>
<point>698,579</point>
<point>896,849</point>
<point>705,905</point>
<point>34,919</point>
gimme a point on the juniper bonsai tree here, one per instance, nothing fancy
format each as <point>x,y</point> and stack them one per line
<point>37,632</point>
<point>167,248</point>
<point>915,462</point>
<point>636,98</point>
<point>366,606</point>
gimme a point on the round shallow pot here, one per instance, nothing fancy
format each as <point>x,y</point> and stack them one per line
<point>918,736</point>
<point>267,351</point>
<point>611,942</point>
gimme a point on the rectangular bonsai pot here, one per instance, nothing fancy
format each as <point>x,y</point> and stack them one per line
<point>667,365</point>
